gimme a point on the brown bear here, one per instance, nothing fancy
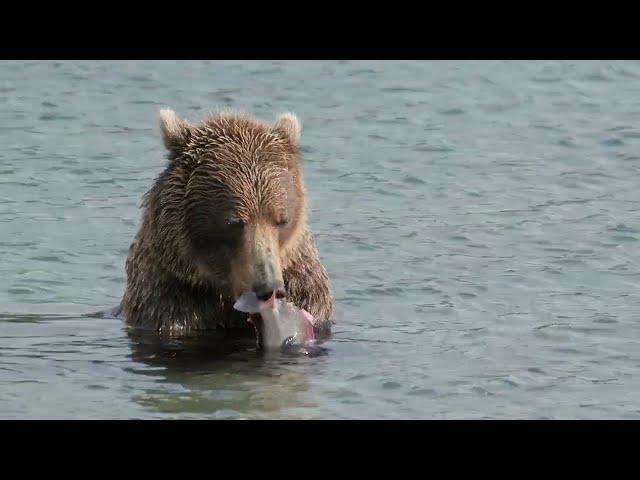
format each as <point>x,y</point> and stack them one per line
<point>226,216</point>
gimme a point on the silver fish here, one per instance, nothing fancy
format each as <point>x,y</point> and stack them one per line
<point>284,326</point>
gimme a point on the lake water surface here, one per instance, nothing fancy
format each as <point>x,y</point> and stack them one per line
<point>479,221</point>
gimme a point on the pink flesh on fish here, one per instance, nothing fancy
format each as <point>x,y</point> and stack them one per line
<point>308,324</point>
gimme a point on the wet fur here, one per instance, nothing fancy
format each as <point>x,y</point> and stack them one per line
<point>228,167</point>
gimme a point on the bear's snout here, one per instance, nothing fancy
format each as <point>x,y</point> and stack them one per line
<point>265,291</point>
<point>256,266</point>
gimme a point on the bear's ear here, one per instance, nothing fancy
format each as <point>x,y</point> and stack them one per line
<point>175,131</point>
<point>289,125</point>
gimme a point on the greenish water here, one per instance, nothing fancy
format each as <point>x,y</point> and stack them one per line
<point>479,221</point>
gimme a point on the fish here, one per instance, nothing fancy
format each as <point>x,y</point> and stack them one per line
<point>285,327</point>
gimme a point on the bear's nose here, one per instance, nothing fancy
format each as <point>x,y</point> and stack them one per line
<point>265,292</point>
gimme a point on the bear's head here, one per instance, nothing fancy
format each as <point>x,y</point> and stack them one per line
<point>229,209</point>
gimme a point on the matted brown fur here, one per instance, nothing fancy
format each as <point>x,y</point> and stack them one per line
<point>228,212</point>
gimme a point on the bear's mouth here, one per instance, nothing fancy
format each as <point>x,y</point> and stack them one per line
<point>250,303</point>
<point>255,320</point>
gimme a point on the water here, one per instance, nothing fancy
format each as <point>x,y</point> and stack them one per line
<point>479,221</point>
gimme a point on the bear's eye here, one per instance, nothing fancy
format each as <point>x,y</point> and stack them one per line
<point>233,222</point>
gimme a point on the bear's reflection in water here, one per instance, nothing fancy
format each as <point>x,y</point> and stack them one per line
<point>220,376</point>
